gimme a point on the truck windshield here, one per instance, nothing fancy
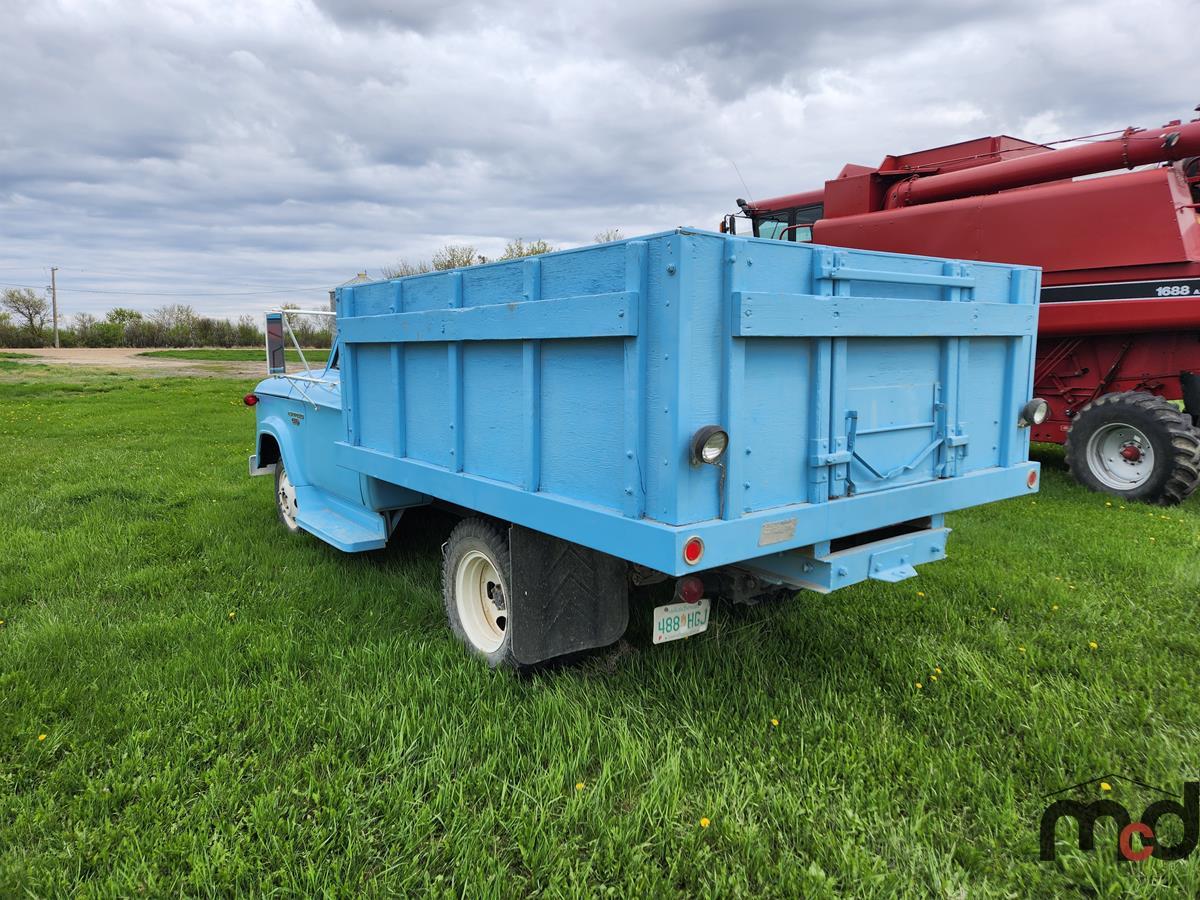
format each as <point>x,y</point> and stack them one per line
<point>793,224</point>
<point>781,231</point>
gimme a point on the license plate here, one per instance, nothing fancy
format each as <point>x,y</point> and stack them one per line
<point>680,620</point>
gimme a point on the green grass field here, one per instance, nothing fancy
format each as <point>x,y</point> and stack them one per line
<point>237,354</point>
<point>193,702</point>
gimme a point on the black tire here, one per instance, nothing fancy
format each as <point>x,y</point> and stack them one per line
<point>470,538</point>
<point>288,522</point>
<point>1175,472</point>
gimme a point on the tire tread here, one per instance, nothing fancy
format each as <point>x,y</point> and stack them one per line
<point>1183,436</point>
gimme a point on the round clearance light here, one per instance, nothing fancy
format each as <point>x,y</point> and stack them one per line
<point>693,549</point>
<point>250,399</point>
<point>709,445</point>
<point>1031,478</point>
<point>1034,412</point>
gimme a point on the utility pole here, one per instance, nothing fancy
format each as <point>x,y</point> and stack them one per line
<point>54,303</point>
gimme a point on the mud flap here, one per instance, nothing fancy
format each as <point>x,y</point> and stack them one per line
<point>565,598</point>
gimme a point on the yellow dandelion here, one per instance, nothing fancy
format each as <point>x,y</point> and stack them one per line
<point>1092,645</point>
<point>1152,540</point>
<point>937,670</point>
<point>933,678</point>
<point>232,614</point>
<point>920,593</point>
<point>1054,606</point>
<point>1022,649</point>
<point>1108,504</point>
<point>1105,786</point>
<point>919,685</point>
<point>993,609</point>
<point>704,823</point>
<point>774,723</point>
<point>579,785</point>
<point>41,737</point>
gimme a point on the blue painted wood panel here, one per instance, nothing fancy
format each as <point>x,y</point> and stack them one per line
<point>578,378</point>
<point>492,409</point>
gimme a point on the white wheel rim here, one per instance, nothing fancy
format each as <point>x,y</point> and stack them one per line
<point>481,599</point>
<point>285,497</point>
<point>1120,456</point>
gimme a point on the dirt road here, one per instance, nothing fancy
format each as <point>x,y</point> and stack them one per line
<point>129,358</point>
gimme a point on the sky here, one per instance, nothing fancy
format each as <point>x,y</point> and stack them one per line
<point>238,155</point>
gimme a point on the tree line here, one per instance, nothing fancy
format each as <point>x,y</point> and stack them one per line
<point>25,316</point>
<point>25,322</point>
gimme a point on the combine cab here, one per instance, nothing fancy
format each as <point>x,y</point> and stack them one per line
<point>1118,354</point>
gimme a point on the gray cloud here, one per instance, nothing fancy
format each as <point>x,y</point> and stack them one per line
<point>179,146</point>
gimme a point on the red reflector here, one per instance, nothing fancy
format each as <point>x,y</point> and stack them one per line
<point>250,399</point>
<point>693,550</point>
<point>689,589</point>
<point>1031,479</point>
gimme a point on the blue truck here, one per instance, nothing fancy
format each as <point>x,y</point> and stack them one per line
<point>745,417</point>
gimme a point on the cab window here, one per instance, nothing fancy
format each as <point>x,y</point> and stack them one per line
<point>793,224</point>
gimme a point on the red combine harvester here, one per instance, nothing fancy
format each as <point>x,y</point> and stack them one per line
<point>1119,329</point>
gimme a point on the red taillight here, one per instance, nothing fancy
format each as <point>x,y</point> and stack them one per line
<point>693,550</point>
<point>689,589</point>
<point>1031,478</point>
<point>250,399</point>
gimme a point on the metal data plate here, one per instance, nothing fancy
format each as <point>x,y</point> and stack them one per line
<point>680,620</point>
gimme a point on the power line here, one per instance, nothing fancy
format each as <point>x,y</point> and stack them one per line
<point>93,290</point>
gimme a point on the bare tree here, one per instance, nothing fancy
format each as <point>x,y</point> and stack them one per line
<point>27,305</point>
<point>174,315</point>
<point>404,268</point>
<point>517,248</point>
<point>84,322</point>
<point>453,256</point>
<point>608,235</point>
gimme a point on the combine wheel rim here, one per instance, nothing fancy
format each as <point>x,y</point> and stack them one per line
<point>1120,456</point>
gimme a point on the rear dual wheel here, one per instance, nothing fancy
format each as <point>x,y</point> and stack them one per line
<point>475,589</point>
<point>1135,446</point>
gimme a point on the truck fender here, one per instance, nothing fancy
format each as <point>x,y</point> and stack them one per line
<point>275,442</point>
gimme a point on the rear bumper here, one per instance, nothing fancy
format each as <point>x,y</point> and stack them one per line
<point>809,525</point>
<point>256,469</point>
<point>891,559</point>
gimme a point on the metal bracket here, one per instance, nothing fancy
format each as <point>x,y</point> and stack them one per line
<point>892,565</point>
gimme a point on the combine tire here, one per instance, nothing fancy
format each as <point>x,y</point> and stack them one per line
<point>1135,446</point>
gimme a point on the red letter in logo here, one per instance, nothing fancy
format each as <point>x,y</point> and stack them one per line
<point>1125,841</point>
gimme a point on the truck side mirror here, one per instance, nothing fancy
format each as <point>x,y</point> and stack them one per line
<point>276,362</point>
